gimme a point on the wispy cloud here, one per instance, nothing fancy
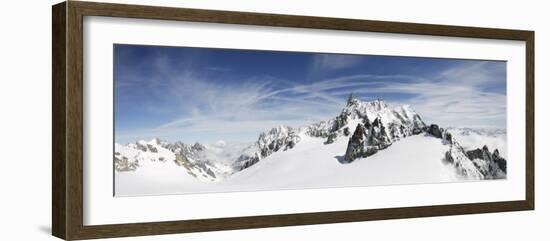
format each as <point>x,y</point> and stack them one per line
<point>208,107</point>
<point>213,110</point>
<point>335,61</point>
<point>454,97</point>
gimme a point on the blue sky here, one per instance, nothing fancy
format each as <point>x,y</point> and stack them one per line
<point>206,95</point>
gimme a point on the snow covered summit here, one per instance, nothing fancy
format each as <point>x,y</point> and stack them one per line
<point>400,122</point>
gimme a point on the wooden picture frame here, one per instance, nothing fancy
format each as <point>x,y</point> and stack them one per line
<point>67,124</point>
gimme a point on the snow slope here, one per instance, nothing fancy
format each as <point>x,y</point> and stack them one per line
<point>312,164</point>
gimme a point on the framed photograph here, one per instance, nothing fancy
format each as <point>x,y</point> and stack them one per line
<point>171,120</point>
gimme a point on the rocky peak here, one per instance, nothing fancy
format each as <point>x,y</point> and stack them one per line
<point>482,153</point>
<point>479,163</point>
<point>496,153</point>
<point>190,157</point>
<point>379,104</point>
<point>401,121</point>
<point>198,146</point>
<point>352,100</point>
<point>490,164</point>
<point>279,138</point>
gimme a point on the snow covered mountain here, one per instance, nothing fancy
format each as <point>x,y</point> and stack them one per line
<point>399,122</point>
<point>191,157</point>
<point>388,126</point>
<point>340,151</point>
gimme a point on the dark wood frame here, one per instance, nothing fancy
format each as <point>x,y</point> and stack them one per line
<point>67,123</point>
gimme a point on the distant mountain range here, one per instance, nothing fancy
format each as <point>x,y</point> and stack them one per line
<point>367,128</point>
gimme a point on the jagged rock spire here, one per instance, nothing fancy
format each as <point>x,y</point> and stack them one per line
<point>351,99</point>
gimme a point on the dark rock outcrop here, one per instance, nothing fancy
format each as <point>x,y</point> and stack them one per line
<point>357,144</point>
<point>482,153</point>
<point>245,161</point>
<point>280,138</point>
<point>339,122</point>
<point>347,131</point>
<point>331,138</point>
<point>448,137</point>
<point>367,122</point>
<point>449,157</point>
<point>501,162</point>
<point>366,142</point>
<point>141,147</point>
<point>416,131</point>
<point>378,136</point>
<point>151,148</point>
<point>435,131</point>
<point>491,165</point>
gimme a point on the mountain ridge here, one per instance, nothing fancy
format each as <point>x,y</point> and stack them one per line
<point>369,126</point>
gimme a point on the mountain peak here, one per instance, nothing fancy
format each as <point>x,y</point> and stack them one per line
<point>352,100</point>
<point>198,146</point>
<point>356,108</point>
<point>379,104</point>
<point>397,122</point>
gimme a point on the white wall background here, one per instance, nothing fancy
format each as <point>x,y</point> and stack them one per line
<point>25,122</point>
